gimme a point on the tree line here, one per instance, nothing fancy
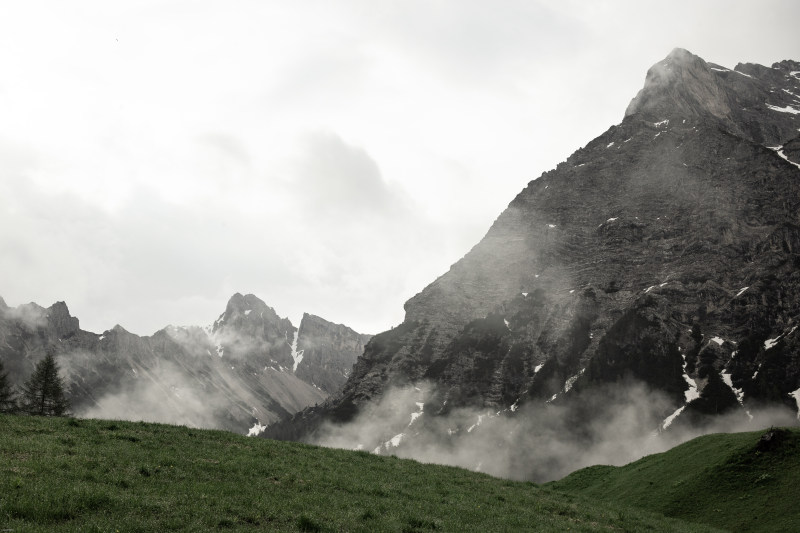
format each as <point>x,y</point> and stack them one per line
<point>42,394</point>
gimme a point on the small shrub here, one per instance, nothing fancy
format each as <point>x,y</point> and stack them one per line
<point>305,523</point>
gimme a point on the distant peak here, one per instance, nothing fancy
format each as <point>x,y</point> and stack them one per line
<point>241,303</point>
<point>681,54</point>
<point>682,84</point>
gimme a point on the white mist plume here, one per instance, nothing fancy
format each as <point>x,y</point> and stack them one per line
<point>167,398</point>
<point>537,442</point>
<point>31,315</point>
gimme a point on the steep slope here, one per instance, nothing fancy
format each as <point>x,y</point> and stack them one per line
<point>232,375</point>
<point>664,253</point>
<point>739,482</point>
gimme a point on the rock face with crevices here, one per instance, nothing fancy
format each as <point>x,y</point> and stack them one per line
<point>666,251</point>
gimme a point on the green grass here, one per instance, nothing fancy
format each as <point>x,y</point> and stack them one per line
<point>724,480</point>
<point>61,474</point>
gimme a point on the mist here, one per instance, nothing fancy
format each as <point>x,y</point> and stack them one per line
<point>535,442</point>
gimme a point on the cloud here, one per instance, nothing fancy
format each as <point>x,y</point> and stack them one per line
<point>168,398</point>
<point>612,425</point>
<point>335,179</point>
<point>333,159</point>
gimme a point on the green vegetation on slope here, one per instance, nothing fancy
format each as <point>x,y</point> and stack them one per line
<point>739,481</point>
<point>60,474</point>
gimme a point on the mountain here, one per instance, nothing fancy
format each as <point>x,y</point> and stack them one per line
<point>663,257</point>
<point>237,373</point>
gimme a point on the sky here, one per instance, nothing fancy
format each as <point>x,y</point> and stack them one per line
<point>329,157</point>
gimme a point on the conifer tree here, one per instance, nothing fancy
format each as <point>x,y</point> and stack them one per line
<point>8,400</point>
<point>43,393</point>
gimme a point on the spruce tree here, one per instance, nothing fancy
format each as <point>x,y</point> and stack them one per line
<point>8,400</point>
<point>43,393</point>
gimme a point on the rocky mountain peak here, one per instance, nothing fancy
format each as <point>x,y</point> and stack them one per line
<point>59,318</point>
<point>757,103</point>
<point>249,312</point>
<point>681,85</point>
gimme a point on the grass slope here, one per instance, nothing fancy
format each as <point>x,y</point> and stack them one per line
<point>737,481</point>
<point>93,475</point>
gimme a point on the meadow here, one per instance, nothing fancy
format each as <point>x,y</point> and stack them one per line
<point>66,474</point>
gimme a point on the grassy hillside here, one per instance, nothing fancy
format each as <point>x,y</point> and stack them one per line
<point>92,475</point>
<point>740,481</point>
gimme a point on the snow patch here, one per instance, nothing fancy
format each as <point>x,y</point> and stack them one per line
<point>571,380</point>
<point>692,393</point>
<point>769,343</point>
<point>717,340</point>
<point>726,377</point>
<point>610,144</point>
<point>297,356</point>
<point>612,219</point>
<point>414,416</point>
<point>741,291</point>
<point>506,323</point>
<point>787,109</point>
<point>796,396</point>
<point>664,122</point>
<point>476,424</point>
<point>524,294</point>
<point>537,368</point>
<point>668,421</point>
<point>779,150</point>
<point>256,430</point>
<point>247,312</point>
<point>551,225</point>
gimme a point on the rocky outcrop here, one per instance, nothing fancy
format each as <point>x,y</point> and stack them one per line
<point>682,218</point>
<point>234,375</point>
<point>328,352</point>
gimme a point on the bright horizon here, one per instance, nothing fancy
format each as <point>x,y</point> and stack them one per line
<point>158,157</point>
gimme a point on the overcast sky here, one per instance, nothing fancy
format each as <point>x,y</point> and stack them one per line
<point>329,157</point>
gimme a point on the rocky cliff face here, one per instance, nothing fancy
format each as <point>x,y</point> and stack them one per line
<point>666,252</point>
<point>236,374</point>
<point>328,352</point>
